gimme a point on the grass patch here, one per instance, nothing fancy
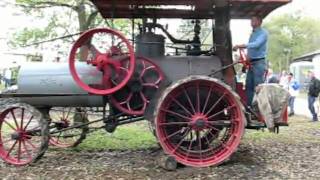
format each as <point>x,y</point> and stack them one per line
<point>299,130</point>
<point>128,137</point>
<point>138,136</point>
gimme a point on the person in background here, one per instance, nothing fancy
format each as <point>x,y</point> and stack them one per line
<point>7,77</point>
<point>293,89</point>
<point>272,78</point>
<point>257,51</point>
<point>313,93</point>
<point>284,80</point>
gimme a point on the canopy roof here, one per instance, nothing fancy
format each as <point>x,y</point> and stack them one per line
<point>187,9</point>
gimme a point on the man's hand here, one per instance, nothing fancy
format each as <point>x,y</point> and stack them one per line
<point>236,47</point>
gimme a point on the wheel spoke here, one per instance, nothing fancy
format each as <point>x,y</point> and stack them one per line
<point>14,118</point>
<point>151,85</point>
<point>22,117</point>
<point>212,127</point>
<point>58,137</point>
<point>158,80</point>
<point>198,97</point>
<point>173,134</point>
<point>207,100</point>
<point>30,143</point>
<point>208,142</point>
<point>215,104</point>
<point>19,151</point>
<point>68,113</point>
<point>178,103</point>
<point>223,123</point>
<point>7,123</point>
<point>189,147</point>
<point>146,69</point>
<point>143,68</point>
<point>220,142</point>
<point>127,100</point>
<point>25,128</point>
<point>63,113</point>
<point>199,143</point>
<point>214,115</point>
<point>125,69</point>
<point>189,100</point>
<point>27,150</point>
<point>181,141</point>
<point>8,153</point>
<point>176,114</point>
<point>145,100</point>
<point>173,123</point>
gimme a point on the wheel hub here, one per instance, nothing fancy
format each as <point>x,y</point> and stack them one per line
<point>16,136</point>
<point>199,122</point>
<point>61,124</point>
<point>19,135</point>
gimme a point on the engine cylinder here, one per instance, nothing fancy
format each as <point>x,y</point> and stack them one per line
<point>150,45</point>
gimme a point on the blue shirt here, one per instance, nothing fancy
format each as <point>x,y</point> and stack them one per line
<point>257,46</point>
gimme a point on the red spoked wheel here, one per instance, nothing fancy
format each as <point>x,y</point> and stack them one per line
<point>136,95</point>
<point>199,121</point>
<point>65,117</point>
<point>23,134</point>
<point>103,48</point>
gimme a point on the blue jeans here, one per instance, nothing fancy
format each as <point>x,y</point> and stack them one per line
<point>7,82</point>
<point>311,100</point>
<point>291,104</point>
<point>255,76</point>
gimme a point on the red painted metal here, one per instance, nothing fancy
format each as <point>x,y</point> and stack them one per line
<point>17,145</point>
<point>135,96</point>
<point>105,62</point>
<point>244,59</point>
<point>200,123</point>
<point>65,119</point>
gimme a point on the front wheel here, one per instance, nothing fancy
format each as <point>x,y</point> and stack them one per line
<point>23,134</point>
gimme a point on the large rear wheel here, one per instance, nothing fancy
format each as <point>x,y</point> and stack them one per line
<point>199,121</point>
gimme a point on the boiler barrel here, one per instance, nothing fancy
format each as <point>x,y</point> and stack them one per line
<point>55,78</point>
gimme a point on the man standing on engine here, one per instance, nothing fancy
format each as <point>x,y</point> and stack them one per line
<point>257,51</point>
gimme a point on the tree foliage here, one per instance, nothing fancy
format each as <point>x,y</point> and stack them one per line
<point>290,36</point>
<point>64,17</point>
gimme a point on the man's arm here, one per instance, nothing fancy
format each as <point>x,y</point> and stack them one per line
<point>262,38</point>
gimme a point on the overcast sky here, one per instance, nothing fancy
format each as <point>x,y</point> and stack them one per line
<point>241,28</point>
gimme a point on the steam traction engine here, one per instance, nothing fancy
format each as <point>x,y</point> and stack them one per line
<point>189,96</point>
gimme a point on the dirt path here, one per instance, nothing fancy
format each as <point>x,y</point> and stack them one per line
<point>293,154</point>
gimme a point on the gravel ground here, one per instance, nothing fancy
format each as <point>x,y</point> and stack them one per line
<point>292,154</point>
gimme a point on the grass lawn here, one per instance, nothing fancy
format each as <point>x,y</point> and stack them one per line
<point>127,137</point>
<point>138,136</point>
